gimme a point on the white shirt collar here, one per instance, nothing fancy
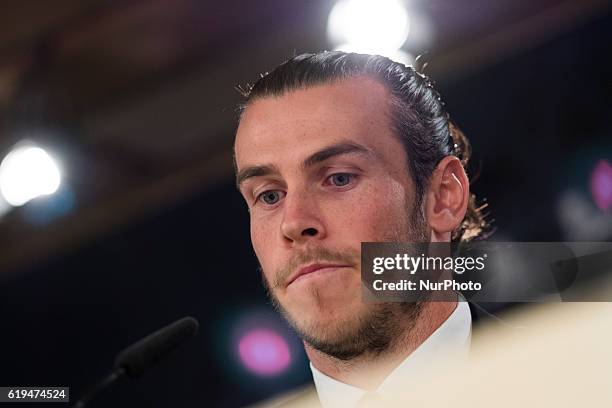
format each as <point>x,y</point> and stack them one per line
<point>450,340</point>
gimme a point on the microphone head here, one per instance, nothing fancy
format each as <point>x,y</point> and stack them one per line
<point>143,354</point>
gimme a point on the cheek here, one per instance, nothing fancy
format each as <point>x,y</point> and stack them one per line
<point>381,209</point>
<point>261,239</point>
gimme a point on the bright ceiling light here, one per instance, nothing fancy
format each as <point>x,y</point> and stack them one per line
<point>368,26</point>
<point>26,173</point>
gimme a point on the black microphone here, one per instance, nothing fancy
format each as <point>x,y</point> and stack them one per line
<point>142,355</point>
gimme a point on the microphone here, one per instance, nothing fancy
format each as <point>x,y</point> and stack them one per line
<point>142,355</point>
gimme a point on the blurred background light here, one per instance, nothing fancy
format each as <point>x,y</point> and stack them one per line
<point>264,352</point>
<point>580,220</point>
<point>4,206</point>
<point>43,210</point>
<point>27,172</point>
<point>601,185</point>
<point>365,26</point>
<point>422,32</point>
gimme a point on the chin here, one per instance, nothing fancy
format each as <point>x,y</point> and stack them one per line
<point>327,324</point>
<point>326,305</point>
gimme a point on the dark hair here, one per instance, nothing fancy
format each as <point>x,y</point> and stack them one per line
<point>418,115</point>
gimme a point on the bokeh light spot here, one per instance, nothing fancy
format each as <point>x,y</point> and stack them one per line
<point>601,185</point>
<point>28,172</point>
<point>264,352</point>
<point>377,27</point>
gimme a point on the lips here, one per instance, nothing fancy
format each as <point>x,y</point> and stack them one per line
<point>312,268</point>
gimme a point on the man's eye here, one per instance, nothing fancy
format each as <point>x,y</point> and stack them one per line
<point>340,179</point>
<point>270,197</point>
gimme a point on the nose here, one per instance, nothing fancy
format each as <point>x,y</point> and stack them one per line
<point>301,219</point>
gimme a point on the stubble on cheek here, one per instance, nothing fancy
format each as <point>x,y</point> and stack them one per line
<point>316,296</point>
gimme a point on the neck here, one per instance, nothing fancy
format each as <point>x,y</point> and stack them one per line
<point>367,371</point>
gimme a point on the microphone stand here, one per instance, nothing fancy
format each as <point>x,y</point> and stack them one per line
<point>99,386</point>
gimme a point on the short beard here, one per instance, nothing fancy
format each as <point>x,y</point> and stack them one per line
<point>382,327</point>
<point>376,333</point>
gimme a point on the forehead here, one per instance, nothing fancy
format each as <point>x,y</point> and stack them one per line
<point>302,120</point>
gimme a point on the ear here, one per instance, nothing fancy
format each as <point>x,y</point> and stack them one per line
<point>447,198</point>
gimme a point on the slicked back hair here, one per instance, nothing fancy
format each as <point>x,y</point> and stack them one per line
<point>419,117</point>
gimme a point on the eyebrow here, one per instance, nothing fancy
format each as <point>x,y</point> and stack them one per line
<point>315,158</point>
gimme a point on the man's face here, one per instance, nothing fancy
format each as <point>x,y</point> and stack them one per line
<point>322,171</point>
